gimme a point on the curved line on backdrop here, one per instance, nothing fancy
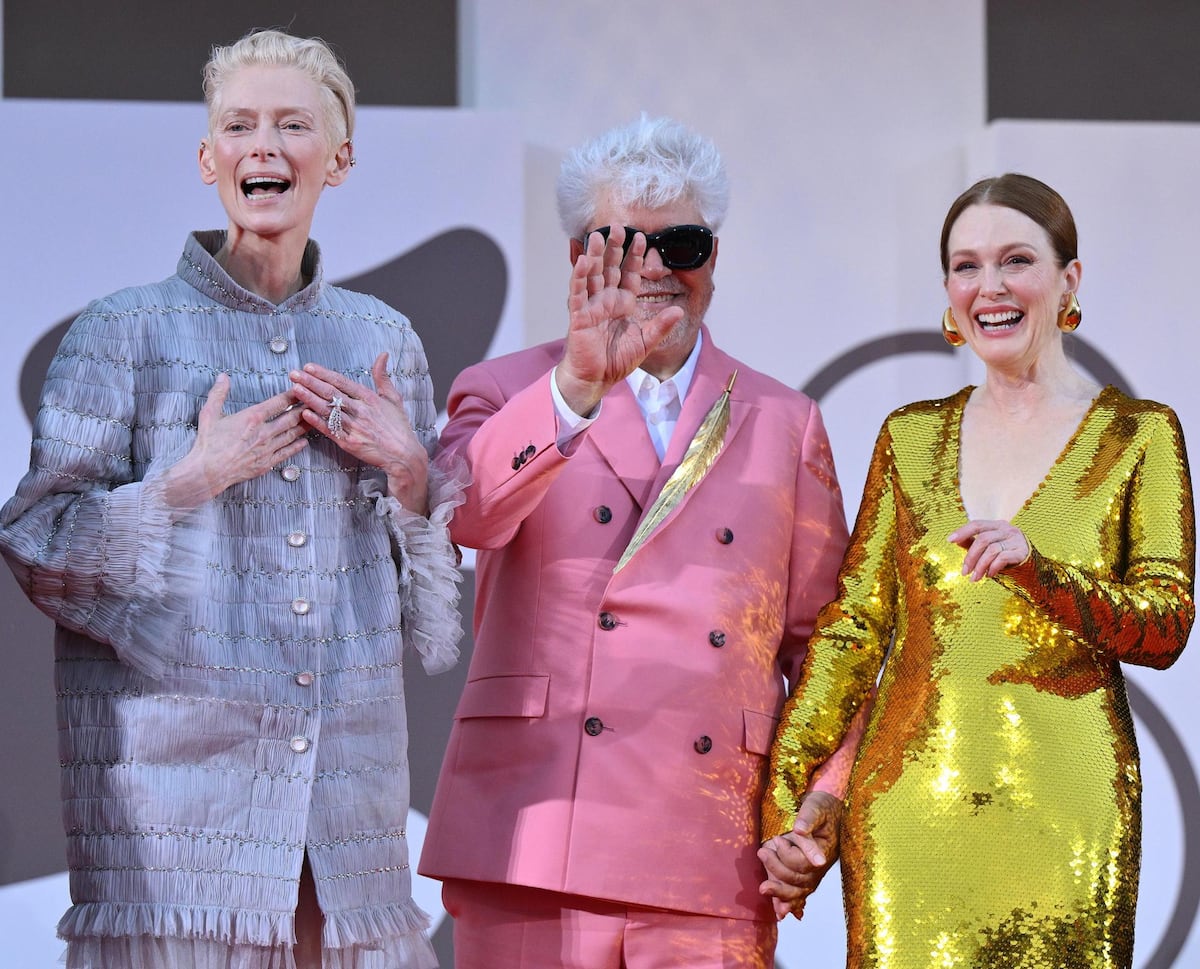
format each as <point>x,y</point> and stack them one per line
<point>1187,787</point>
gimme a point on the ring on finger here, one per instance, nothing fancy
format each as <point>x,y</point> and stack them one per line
<point>334,421</point>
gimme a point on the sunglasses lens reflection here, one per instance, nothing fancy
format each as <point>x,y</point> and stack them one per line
<point>683,248</point>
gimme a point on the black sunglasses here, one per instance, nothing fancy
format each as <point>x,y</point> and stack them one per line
<point>681,246</point>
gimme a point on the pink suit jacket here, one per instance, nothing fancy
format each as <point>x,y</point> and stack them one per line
<point>613,734</point>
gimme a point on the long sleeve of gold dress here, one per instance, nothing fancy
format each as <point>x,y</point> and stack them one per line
<point>993,818</point>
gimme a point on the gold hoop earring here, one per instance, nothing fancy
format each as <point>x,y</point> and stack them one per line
<point>950,331</point>
<point>1071,316</point>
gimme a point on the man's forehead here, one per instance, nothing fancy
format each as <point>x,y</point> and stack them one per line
<point>642,215</point>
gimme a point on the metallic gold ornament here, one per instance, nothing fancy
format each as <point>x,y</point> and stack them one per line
<point>700,455</point>
<point>950,331</point>
<point>1071,315</point>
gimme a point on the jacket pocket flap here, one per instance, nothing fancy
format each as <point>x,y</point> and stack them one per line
<point>759,731</point>
<point>505,695</point>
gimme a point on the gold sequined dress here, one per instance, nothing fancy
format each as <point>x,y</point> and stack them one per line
<point>993,818</point>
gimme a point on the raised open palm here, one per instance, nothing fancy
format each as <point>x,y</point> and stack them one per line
<point>607,338</point>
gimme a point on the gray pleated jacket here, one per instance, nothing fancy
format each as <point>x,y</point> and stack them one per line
<point>230,688</point>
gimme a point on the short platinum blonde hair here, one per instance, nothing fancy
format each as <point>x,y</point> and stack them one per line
<point>274,48</point>
<point>651,162</point>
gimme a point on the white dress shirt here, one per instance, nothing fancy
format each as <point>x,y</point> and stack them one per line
<point>660,401</point>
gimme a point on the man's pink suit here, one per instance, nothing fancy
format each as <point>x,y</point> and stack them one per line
<point>613,734</point>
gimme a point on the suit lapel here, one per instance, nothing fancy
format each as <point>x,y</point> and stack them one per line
<point>621,437</point>
<point>713,371</point>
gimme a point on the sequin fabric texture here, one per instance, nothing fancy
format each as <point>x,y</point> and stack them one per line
<point>993,817</point>
<point>230,680</point>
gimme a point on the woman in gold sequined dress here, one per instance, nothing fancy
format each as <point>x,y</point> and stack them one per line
<point>1019,541</point>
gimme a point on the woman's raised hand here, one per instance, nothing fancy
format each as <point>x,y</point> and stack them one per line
<point>992,547</point>
<point>370,424</point>
<point>231,448</point>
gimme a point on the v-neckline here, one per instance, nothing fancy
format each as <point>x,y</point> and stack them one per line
<point>965,393</point>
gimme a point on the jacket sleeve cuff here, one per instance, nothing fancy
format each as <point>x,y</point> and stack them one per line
<point>427,563</point>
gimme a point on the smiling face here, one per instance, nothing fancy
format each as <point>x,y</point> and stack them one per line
<point>1005,285</point>
<point>689,289</point>
<point>271,151</point>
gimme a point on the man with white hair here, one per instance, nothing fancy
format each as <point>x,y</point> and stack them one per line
<point>657,526</point>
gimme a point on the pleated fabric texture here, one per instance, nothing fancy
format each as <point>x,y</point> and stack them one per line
<point>230,680</point>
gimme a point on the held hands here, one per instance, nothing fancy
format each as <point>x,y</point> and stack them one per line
<point>371,425</point>
<point>992,546</point>
<point>607,338</point>
<point>797,861</point>
<point>231,448</point>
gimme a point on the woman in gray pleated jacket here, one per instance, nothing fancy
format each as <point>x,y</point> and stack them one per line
<point>231,516</point>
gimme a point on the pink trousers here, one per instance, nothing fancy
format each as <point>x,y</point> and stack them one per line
<point>527,928</point>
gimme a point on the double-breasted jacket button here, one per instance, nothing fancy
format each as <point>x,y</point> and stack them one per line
<point>724,535</point>
<point>296,539</point>
<point>298,744</point>
<point>593,726</point>
<point>304,678</point>
<point>278,345</point>
<point>716,638</point>
<point>607,621</point>
<point>703,744</point>
<point>300,606</point>
<point>290,473</point>
<point>602,514</point>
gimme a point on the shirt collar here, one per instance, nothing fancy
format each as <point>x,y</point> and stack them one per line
<point>682,378</point>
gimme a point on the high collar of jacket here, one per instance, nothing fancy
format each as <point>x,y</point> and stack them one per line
<point>199,268</point>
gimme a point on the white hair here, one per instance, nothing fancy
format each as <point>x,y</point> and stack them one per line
<point>651,162</point>
<point>274,48</point>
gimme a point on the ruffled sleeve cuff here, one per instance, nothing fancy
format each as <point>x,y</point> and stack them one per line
<point>427,561</point>
<point>167,555</point>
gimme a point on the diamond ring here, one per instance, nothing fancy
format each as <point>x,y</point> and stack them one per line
<point>334,421</point>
